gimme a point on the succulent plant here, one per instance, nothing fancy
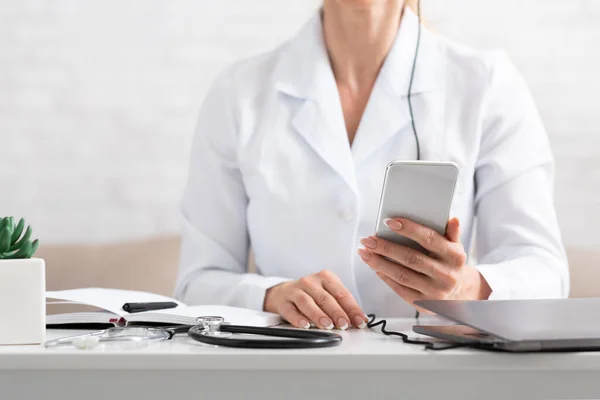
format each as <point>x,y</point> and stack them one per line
<point>12,244</point>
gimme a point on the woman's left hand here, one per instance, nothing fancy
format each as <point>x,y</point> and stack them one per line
<point>442,274</point>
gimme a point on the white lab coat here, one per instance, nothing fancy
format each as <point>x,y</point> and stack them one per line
<point>272,170</point>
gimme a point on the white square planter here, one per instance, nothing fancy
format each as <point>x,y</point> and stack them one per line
<point>22,301</point>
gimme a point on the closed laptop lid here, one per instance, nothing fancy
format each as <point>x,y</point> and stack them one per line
<point>524,320</point>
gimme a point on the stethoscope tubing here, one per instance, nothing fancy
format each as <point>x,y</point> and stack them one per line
<point>300,339</point>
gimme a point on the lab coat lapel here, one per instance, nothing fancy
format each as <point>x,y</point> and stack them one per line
<point>304,73</point>
<point>314,122</point>
<point>387,113</point>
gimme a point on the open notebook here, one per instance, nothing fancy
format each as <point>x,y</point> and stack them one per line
<point>110,303</point>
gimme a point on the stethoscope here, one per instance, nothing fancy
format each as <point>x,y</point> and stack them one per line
<point>213,330</point>
<point>210,330</point>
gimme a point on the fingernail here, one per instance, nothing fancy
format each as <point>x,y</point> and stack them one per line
<point>304,323</point>
<point>326,324</point>
<point>359,322</point>
<point>342,324</point>
<point>364,254</point>
<point>368,242</point>
<point>393,224</point>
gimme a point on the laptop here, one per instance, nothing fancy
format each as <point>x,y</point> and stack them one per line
<point>518,325</point>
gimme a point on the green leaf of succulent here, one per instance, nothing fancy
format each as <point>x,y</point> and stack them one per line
<point>18,230</point>
<point>11,225</point>
<point>24,250</point>
<point>17,245</point>
<point>34,246</point>
<point>12,245</point>
<point>4,240</point>
<point>7,225</point>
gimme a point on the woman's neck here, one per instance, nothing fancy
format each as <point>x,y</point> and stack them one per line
<point>358,37</point>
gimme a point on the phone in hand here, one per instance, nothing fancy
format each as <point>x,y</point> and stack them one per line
<point>421,191</point>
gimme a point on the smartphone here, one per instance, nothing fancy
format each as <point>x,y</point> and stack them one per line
<point>421,191</point>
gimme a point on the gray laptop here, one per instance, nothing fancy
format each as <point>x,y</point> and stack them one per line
<point>518,325</point>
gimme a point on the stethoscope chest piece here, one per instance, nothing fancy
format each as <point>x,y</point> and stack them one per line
<point>211,326</point>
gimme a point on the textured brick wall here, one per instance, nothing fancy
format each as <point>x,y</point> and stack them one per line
<point>98,99</point>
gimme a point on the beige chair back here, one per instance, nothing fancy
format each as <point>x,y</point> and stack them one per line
<point>585,272</point>
<point>149,265</point>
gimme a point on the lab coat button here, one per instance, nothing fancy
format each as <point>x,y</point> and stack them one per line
<point>347,214</point>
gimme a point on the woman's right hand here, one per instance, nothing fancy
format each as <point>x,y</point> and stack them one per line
<point>320,298</point>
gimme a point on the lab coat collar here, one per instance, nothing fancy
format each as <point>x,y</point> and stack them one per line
<point>304,72</point>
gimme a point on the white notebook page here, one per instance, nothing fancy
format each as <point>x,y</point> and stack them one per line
<point>108,299</point>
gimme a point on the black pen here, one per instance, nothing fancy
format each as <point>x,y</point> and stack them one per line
<point>140,307</point>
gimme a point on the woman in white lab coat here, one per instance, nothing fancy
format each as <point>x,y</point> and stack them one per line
<point>289,157</point>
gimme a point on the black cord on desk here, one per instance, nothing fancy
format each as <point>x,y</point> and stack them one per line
<point>428,344</point>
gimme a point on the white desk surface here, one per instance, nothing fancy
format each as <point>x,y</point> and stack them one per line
<point>367,363</point>
<point>360,350</point>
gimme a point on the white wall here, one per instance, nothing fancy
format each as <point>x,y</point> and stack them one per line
<point>98,99</point>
